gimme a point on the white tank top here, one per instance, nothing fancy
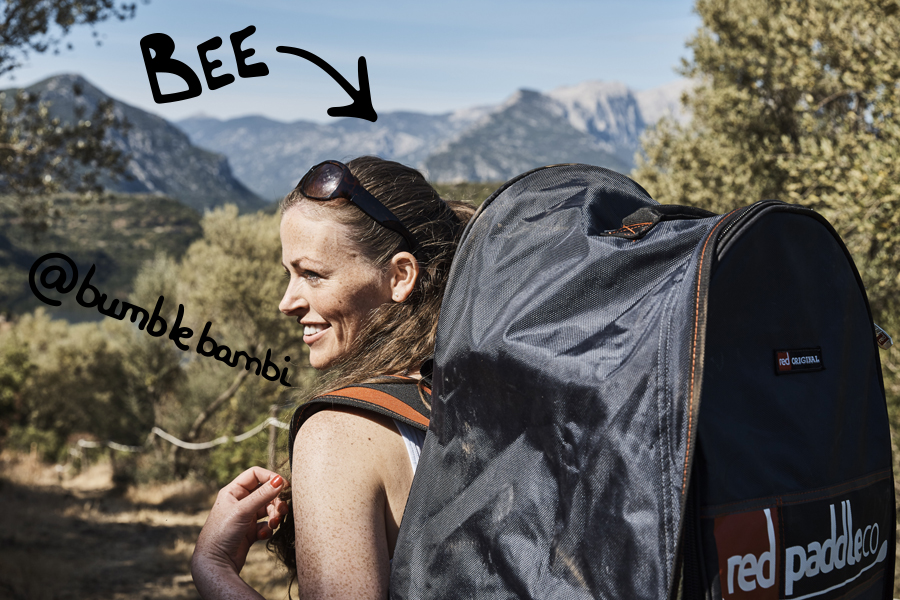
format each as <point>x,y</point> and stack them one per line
<point>413,438</point>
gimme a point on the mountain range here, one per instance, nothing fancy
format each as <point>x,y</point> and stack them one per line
<point>205,162</point>
<point>163,161</point>
<point>594,122</point>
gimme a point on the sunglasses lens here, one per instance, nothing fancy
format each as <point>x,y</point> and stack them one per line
<point>323,182</point>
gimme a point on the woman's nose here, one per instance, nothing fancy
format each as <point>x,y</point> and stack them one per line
<point>292,301</point>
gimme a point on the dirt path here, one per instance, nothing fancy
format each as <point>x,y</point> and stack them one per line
<point>77,539</point>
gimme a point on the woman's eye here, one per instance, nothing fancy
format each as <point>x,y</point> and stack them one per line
<point>311,276</point>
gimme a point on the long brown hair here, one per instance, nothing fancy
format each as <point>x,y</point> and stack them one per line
<point>398,336</point>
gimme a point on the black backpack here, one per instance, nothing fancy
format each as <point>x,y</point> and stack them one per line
<point>634,400</point>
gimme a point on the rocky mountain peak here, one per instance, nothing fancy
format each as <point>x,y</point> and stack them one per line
<point>605,110</point>
<point>163,161</point>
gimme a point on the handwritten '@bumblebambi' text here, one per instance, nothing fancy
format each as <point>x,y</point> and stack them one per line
<point>55,277</point>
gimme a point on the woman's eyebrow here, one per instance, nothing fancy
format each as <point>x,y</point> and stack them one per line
<point>302,259</point>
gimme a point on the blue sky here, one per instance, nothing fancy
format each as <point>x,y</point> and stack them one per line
<point>423,56</point>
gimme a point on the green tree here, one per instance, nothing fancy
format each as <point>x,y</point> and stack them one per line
<point>41,155</point>
<point>111,381</point>
<point>232,279</point>
<point>15,368</point>
<point>71,382</point>
<point>38,26</point>
<point>796,101</point>
<point>151,365</point>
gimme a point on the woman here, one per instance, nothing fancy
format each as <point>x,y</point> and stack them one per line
<point>367,248</point>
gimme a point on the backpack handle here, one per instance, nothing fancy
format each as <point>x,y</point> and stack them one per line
<point>640,222</point>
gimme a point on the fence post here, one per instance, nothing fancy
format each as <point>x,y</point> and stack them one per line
<point>273,436</point>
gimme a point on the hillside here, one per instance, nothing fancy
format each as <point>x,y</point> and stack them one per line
<point>117,235</point>
<point>163,161</point>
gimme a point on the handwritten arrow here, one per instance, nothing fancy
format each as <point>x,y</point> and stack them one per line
<point>361,108</point>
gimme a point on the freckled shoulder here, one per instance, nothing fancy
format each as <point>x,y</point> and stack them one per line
<point>346,495</point>
<point>345,435</point>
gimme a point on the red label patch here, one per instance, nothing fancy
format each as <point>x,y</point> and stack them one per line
<point>782,361</point>
<point>801,360</point>
<point>747,545</point>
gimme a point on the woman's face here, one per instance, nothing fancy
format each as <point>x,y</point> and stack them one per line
<point>332,287</point>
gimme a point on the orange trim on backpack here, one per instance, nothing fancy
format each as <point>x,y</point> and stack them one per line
<point>690,423</point>
<point>380,399</point>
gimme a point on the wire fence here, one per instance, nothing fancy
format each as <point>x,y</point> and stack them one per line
<point>271,421</point>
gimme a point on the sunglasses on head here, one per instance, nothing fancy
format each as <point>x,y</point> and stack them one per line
<point>332,179</point>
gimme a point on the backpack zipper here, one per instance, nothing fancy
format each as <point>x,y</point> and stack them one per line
<point>740,216</point>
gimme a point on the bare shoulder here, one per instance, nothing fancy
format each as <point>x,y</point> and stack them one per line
<point>345,497</point>
<point>347,436</point>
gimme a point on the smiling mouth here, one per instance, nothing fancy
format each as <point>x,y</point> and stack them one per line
<point>311,333</point>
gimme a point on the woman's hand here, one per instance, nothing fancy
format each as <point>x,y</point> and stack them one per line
<point>232,527</point>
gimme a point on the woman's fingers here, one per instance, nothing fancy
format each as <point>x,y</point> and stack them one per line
<point>271,514</point>
<point>251,480</point>
<point>273,523</point>
<point>280,505</point>
<point>257,501</point>
<point>263,531</point>
<point>266,512</point>
<point>277,508</point>
<point>255,491</point>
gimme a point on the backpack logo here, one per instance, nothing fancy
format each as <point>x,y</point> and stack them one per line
<point>835,553</point>
<point>819,558</point>
<point>748,554</point>
<point>798,361</point>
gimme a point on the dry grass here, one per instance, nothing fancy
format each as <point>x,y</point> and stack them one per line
<point>73,537</point>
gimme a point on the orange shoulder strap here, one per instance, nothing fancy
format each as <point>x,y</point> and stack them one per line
<point>398,400</point>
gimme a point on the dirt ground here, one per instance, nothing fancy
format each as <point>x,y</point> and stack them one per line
<point>75,538</point>
<point>67,538</point>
